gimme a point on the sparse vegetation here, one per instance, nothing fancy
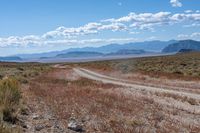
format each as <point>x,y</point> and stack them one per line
<point>183,66</point>
<point>104,107</point>
<point>22,71</point>
<point>12,75</point>
<point>101,107</point>
<point>9,100</point>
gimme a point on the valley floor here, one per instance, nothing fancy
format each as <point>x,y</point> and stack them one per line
<point>110,101</point>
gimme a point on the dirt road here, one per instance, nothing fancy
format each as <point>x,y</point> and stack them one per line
<point>106,79</point>
<point>169,102</point>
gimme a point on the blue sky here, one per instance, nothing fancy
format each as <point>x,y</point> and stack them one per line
<point>29,26</point>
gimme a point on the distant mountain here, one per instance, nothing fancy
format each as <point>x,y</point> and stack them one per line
<point>79,54</point>
<point>184,44</point>
<point>187,50</point>
<point>155,46</point>
<point>128,52</point>
<point>11,58</point>
<point>40,55</point>
<point>97,54</point>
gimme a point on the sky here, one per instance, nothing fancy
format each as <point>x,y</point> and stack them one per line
<point>35,26</point>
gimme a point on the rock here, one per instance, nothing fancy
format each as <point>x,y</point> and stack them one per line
<point>35,116</point>
<point>75,126</point>
<point>14,126</point>
<point>39,127</point>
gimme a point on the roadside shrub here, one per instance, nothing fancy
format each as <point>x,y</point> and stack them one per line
<point>9,99</point>
<point>9,92</point>
<point>9,115</point>
<point>1,76</point>
<point>20,68</point>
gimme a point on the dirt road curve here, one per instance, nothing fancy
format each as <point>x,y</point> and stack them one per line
<point>106,79</point>
<point>162,100</point>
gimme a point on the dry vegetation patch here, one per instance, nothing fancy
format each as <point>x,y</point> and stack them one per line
<point>103,107</point>
<point>180,66</point>
<point>9,102</point>
<point>12,76</point>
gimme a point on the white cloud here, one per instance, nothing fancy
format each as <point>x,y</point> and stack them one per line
<point>31,41</point>
<point>151,38</point>
<point>19,41</point>
<point>132,24</point>
<point>94,40</point>
<point>90,28</point>
<point>183,36</point>
<point>143,20</point>
<point>150,20</point>
<point>132,32</point>
<point>192,25</point>
<point>113,27</point>
<point>188,11</point>
<point>195,35</point>
<point>176,3</point>
<point>62,31</point>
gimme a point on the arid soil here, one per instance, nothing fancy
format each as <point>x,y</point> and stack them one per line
<point>105,101</point>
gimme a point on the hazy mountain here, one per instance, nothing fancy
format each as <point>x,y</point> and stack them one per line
<point>79,54</point>
<point>184,44</point>
<point>155,46</point>
<point>98,54</point>
<point>128,52</point>
<point>187,50</point>
<point>11,58</point>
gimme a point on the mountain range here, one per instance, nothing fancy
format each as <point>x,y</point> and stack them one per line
<point>183,44</point>
<point>11,58</point>
<point>153,46</point>
<point>137,48</point>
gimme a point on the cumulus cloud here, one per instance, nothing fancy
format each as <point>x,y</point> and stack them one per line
<point>176,3</point>
<point>19,41</point>
<point>132,23</point>
<point>94,40</point>
<point>143,20</point>
<point>195,35</point>
<point>192,25</point>
<point>150,20</point>
<point>90,28</point>
<point>188,11</point>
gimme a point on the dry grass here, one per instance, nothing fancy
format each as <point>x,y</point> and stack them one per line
<point>12,75</point>
<point>103,107</point>
<point>191,101</point>
<point>9,99</point>
<point>179,66</point>
<point>9,103</point>
<point>22,71</point>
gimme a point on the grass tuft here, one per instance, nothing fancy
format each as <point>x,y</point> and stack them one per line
<point>9,99</point>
